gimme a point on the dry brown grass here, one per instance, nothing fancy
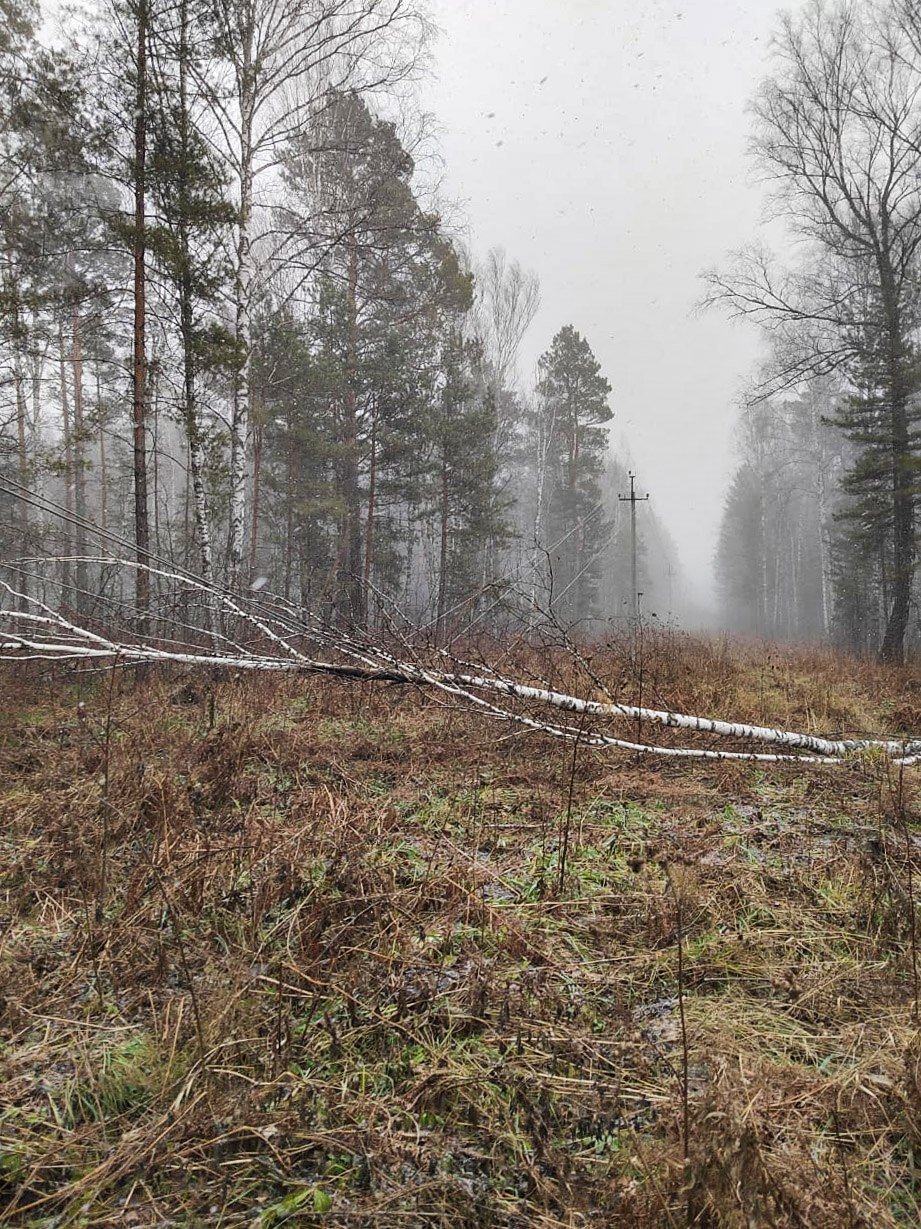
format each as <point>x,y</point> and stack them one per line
<point>295,952</point>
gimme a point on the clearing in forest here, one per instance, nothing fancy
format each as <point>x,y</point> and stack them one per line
<point>283,950</point>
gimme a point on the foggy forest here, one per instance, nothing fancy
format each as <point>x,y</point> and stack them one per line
<point>460,613</point>
<point>326,396</point>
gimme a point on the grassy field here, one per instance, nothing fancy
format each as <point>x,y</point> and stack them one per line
<point>295,952</point>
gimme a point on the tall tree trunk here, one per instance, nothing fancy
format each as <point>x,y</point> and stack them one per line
<point>372,509</point>
<point>200,497</point>
<point>258,440</point>
<point>139,366</point>
<point>289,505</point>
<point>903,501</point>
<point>79,440</point>
<point>153,422</point>
<point>762,612</point>
<point>67,594</point>
<point>543,445</point>
<point>822,541</point>
<point>893,646</point>
<point>243,290</point>
<point>103,464</point>
<point>22,450</point>
<point>39,359</point>
<point>443,551</point>
<point>190,414</point>
<point>349,554</point>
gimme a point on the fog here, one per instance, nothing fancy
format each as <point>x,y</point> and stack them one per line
<point>385,312</point>
<point>604,145</point>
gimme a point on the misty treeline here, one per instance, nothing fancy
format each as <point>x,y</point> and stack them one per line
<point>819,533</point>
<point>791,562</point>
<point>236,335</point>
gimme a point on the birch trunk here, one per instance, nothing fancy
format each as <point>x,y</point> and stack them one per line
<point>193,429</point>
<point>349,564</point>
<point>240,412</point>
<point>258,438</point>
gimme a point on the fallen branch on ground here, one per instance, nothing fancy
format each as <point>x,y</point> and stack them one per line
<point>35,631</point>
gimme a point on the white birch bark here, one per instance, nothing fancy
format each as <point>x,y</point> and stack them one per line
<point>202,524</point>
<point>39,629</point>
<point>684,721</point>
<point>244,276</point>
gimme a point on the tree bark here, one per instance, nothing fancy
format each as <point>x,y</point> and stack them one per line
<point>350,595</point>
<point>369,520</point>
<point>289,506</point>
<point>103,463</point>
<point>67,595</point>
<point>443,552</point>
<point>79,449</point>
<point>243,290</point>
<point>258,440</point>
<point>22,447</point>
<point>892,649</point>
<point>139,365</point>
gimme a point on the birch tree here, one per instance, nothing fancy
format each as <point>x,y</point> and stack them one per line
<point>506,302</point>
<point>282,60</point>
<point>140,14</point>
<point>838,130</point>
<point>781,530</point>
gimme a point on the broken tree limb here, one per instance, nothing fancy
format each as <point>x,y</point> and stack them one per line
<point>684,721</point>
<point>34,630</point>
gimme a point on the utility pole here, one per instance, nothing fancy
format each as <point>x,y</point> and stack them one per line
<point>633,499</point>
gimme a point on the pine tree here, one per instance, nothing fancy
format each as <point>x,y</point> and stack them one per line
<point>837,130</point>
<point>387,283</point>
<point>298,515</point>
<point>468,513</point>
<point>876,527</point>
<point>47,215</point>
<point>571,438</point>
<point>194,216</point>
<point>283,59</point>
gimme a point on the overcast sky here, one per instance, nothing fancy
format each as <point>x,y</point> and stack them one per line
<point>602,143</point>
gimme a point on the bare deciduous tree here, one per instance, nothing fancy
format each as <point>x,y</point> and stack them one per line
<point>508,299</point>
<point>283,58</point>
<point>838,130</point>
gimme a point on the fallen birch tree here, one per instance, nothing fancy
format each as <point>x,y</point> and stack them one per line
<point>33,630</point>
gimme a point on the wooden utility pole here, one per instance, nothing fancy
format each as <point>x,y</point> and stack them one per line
<point>633,499</point>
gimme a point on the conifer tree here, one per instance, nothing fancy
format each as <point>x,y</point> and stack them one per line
<point>189,188</point>
<point>283,58</point>
<point>466,507</point>
<point>290,386</point>
<point>387,280</point>
<point>46,216</point>
<point>838,129</point>
<point>571,438</point>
